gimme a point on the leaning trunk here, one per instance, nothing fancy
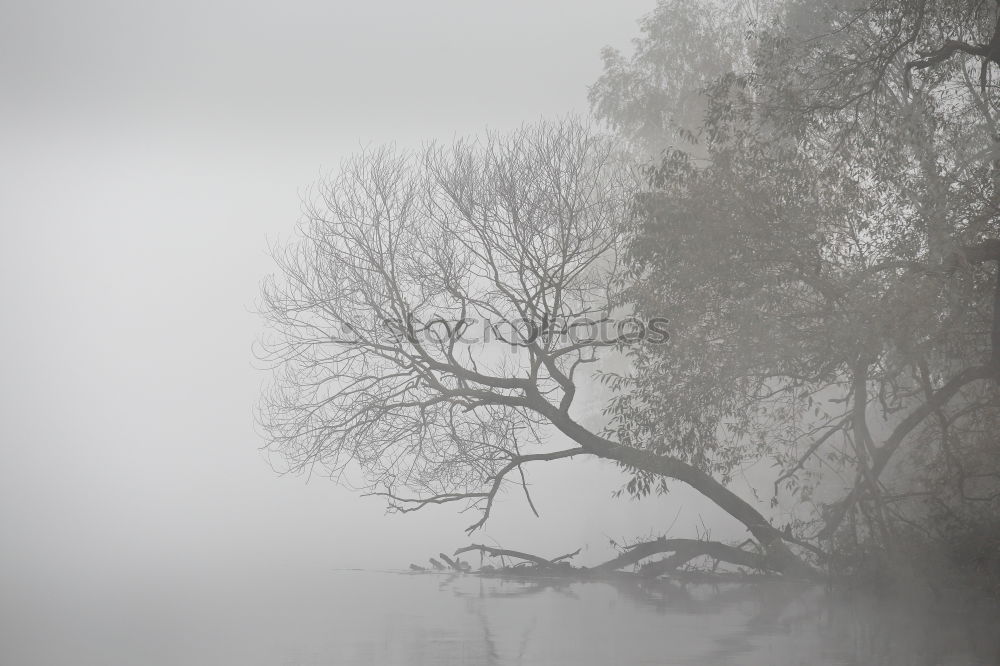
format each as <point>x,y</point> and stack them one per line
<point>778,556</point>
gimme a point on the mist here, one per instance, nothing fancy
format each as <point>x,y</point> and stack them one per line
<point>152,154</point>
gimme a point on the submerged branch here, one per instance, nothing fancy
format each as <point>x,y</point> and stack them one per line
<point>503,552</point>
<point>681,552</point>
<point>684,550</point>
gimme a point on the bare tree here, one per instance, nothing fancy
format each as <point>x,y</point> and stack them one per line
<point>434,319</point>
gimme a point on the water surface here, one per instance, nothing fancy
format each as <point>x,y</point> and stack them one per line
<point>388,618</point>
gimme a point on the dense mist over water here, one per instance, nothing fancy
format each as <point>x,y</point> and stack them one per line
<point>155,157</point>
<point>366,617</point>
<point>150,153</point>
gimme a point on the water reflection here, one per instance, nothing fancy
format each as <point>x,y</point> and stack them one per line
<point>765,623</point>
<point>369,618</point>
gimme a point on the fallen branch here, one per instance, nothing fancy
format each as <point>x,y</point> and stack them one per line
<point>685,550</point>
<point>681,552</point>
<point>503,552</point>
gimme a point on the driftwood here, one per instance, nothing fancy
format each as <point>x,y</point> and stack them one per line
<point>527,557</point>
<point>684,550</point>
<point>678,553</point>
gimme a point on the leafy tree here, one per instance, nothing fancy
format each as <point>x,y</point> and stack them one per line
<point>655,96</point>
<point>821,233</point>
<point>825,254</point>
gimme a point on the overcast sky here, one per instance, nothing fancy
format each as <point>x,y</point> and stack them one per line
<point>148,154</point>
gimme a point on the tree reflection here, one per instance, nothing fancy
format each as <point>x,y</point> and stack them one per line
<point>773,623</point>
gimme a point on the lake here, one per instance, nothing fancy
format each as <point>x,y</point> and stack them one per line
<point>388,618</point>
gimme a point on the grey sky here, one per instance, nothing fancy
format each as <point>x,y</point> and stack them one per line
<point>148,154</point>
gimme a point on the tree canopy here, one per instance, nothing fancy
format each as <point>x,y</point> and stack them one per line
<point>826,253</point>
<point>819,227</point>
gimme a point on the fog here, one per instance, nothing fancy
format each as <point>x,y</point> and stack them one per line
<point>150,154</point>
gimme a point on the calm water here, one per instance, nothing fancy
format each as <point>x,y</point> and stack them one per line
<point>385,618</point>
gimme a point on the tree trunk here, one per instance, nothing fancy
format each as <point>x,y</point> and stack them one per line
<point>777,554</point>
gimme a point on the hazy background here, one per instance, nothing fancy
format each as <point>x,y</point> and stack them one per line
<point>148,153</point>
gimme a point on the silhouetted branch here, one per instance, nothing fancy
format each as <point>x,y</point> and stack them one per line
<point>685,550</point>
<point>503,552</point>
<point>884,453</point>
<point>410,504</point>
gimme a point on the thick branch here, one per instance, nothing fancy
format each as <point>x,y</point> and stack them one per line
<point>946,51</point>
<point>685,550</point>
<point>766,534</point>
